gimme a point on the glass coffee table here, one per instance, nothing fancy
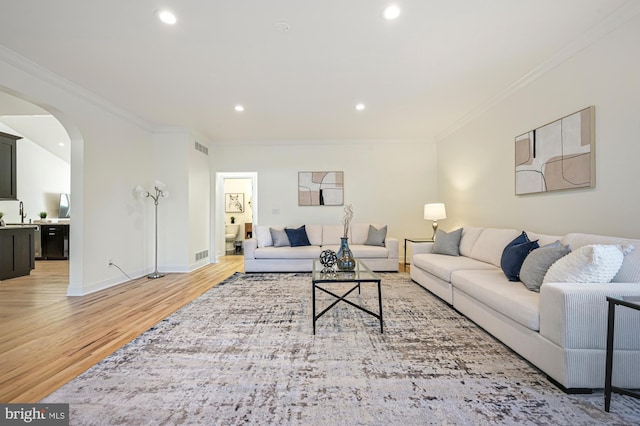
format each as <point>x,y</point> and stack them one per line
<point>322,279</point>
<point>632,302</point>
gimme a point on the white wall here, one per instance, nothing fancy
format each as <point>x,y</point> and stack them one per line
<point>199,203</point>
<point>387,182</point>
<point>184,216</point>
<point>116,159</point>
<point>170,157</point>
<point>41,178</point>
<point>476,164</point>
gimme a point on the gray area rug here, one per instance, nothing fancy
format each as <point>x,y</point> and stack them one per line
<point>244,353</point>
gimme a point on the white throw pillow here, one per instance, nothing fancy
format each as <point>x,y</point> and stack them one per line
<point>263,235</point>
<point>596,263</point>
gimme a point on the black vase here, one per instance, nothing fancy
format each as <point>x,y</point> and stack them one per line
<point>345,261</point>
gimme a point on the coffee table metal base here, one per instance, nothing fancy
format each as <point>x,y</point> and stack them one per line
<point>343,299</point>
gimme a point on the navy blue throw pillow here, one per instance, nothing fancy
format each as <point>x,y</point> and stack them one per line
<point>298,237</point>
<point>522,238</point>
<point>514,254</point>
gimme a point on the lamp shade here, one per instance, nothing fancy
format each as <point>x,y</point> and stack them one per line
<point>139,191</point>
<point>434,211</point>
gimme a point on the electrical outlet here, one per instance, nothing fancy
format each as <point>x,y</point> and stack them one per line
<point>110,262</point>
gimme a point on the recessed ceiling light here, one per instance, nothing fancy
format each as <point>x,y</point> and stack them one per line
<point>166,16</point>
<point>239,108</point>
<point>61,143</point>
<point>391,12</point>
<point>360,107</point>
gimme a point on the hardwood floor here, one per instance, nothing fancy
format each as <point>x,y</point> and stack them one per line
<point>47,338</point>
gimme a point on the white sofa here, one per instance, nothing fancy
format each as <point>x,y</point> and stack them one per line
<point>261,256</point>
<point>562,329</point>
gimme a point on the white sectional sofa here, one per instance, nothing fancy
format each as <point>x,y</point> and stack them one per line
<point>562,329</point>
<point>260,255</point>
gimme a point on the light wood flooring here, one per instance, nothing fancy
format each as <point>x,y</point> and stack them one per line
<point>48,338</point>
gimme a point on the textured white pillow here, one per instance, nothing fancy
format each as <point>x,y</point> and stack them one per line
<point>263,235</point>
<point>597,263</point>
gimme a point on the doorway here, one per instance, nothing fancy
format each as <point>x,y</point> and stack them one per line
<point>237,198</point>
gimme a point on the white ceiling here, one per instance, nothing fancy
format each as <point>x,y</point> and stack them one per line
<point>34,123</point>
<point>419,75</point>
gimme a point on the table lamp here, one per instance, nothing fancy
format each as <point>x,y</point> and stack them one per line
<point>434,212</point>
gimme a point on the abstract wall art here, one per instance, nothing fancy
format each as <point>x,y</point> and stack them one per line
<point>559,155</point>
<point>320,188</point>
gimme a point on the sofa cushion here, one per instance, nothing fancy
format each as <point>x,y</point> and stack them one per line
<point>442,265</point>
<point>543,239</point>
<point>375,236</point>
<point>490,244</point>
<point>597,263</point>
<point>522,238</point>
<point>332,247</point>
<point>359,233</point>
<point>362,251</point>
<point>536,264</point>
<point>331,234</point>
<point>514,254</point>
<point>492,288</point>
<point>297,237</point>
<point>470,235</point>
<point>304,252</point>
<point>314,233</point>
<point>279,237</point>
<point>630,270</point>
<point>447,242</point>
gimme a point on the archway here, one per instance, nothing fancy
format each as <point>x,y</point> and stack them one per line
<point>21,108</point>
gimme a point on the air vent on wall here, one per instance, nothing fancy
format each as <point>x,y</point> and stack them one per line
<point>203,149</point>
<point>202,255</point>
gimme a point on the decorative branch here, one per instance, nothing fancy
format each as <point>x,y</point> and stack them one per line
<point>346,220</point>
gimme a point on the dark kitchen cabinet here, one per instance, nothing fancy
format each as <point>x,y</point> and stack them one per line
<point>55,241</point>
<point>16,251</point>
<point>8,186</point>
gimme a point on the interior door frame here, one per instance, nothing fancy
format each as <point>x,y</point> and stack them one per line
<point>218,238</point>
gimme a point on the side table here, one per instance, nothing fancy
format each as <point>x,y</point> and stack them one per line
<point>413,240</point>
<point>632,302</point>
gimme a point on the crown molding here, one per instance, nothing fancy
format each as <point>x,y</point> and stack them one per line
<point>322,142</point>
<point>172,130</point>
<point>9,56</point>
<point>609,24</point>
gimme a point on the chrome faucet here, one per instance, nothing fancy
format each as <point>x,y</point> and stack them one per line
<point>22,215</point>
